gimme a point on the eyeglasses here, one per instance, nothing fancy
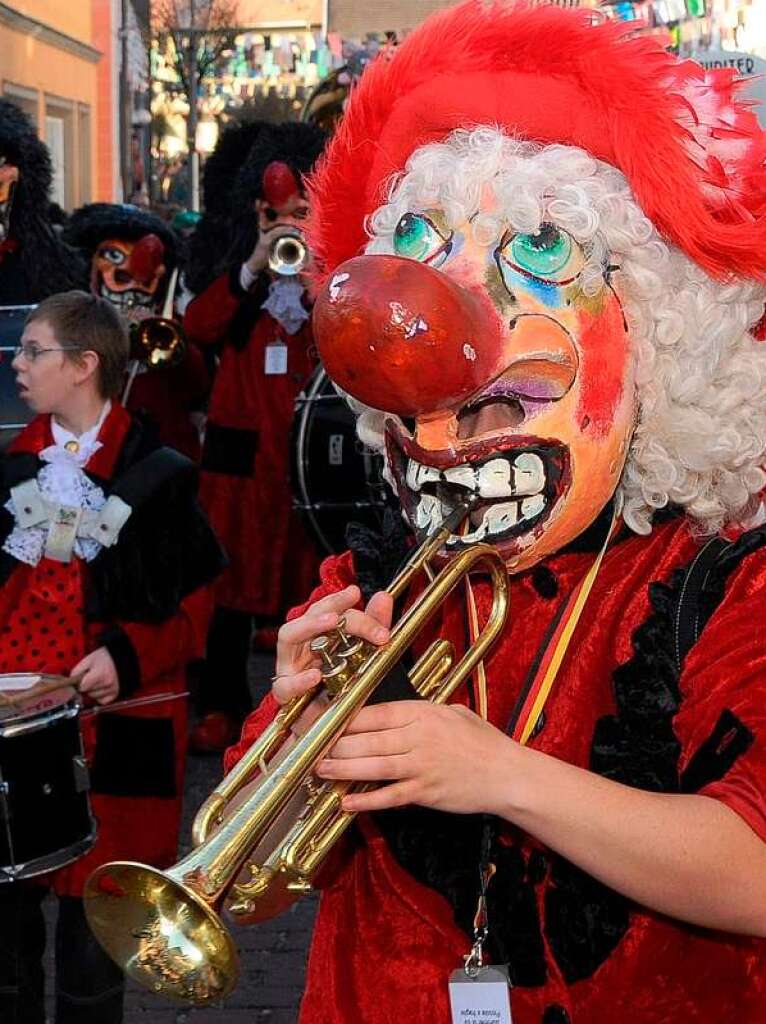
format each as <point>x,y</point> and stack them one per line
<point>31,352</point>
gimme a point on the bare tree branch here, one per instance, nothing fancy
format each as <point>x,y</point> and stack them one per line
<point>212,34</point>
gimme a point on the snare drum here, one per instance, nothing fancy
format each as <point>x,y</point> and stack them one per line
<point>335,479</point>
<point>45,814</point>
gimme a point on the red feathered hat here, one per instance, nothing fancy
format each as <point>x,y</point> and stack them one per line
<point>693,153</point>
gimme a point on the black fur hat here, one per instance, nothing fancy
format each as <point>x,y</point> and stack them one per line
<point>233,181</point>
<point>92,223</point>
<point>48,265</point>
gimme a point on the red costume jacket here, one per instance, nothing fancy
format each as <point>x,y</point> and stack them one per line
<point>397,906</point>
<point>169,395</point>
<point>148,601</point>
<point>245,485</point>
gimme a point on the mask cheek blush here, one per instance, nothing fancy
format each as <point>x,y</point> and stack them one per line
<point>604,367</point>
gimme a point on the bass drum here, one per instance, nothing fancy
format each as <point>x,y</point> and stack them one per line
<point>335,479</point>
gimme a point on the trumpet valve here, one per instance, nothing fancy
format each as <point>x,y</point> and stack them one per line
<point>351,648</point>
<point>336,670</point>
<point>336,678</point>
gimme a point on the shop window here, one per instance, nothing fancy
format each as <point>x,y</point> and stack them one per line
<point>59,137</point>
<point>26,99</point>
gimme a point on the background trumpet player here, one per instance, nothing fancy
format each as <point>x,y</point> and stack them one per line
<point>556,313</point>
<point>133,255</point>
<point>253,307</point>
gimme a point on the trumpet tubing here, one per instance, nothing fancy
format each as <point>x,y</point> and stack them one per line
<point>265,832</point>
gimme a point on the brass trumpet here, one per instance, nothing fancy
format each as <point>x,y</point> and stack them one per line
<point>288,254</point>
<point>265,831</point>
<point>156,341</point>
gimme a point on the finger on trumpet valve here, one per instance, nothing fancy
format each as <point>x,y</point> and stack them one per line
<point>325,646</point>
<point>336,671</point>
<point>351,648</point>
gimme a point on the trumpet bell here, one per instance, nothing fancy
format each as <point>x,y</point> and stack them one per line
<point>161,933</point>
<point>157,341</point>
<point>288,255</point>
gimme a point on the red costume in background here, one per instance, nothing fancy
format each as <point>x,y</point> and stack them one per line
<point>245,482</point>
<point>168,395</point>
<point>403,893</point>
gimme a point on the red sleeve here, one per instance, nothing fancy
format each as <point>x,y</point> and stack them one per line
<point>722,721</point>
<point>335,573</point>
<point>144,652</point>
<point>207,318</point>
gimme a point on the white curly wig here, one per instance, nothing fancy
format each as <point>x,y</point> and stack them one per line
<point>700,440</point>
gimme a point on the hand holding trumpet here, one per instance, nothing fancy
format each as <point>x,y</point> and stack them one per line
<point>433,755</point>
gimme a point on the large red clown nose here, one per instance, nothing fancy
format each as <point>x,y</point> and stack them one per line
<point>146,258</point>
<point>403,337</point>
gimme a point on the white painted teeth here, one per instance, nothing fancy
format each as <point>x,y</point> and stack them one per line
<point>520,478</point>
<point>533,506</point>
<point>528,473</point>
<point>417,475</point>
<point>428,512</point>
<point>500,518</point>
<point>461,476</point>
<point>495,479</point>
<point>504,477</point>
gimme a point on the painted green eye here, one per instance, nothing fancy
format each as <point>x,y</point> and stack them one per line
<point>416,238</point>
<point>544,254</point>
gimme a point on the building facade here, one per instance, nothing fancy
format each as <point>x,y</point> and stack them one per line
<point>352,19</point>
<point>49,67</point>
<point>62,63</point>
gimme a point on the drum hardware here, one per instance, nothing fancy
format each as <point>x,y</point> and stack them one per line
<point>262,836</point>
<point>333,481</point>
<point>288,254</point>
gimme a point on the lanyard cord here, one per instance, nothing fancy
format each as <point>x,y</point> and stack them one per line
<point>527,710</point>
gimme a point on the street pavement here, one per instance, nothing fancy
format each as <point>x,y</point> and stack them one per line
<point>272,954</point>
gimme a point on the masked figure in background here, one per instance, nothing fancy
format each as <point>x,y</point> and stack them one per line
<point>33,261</point>
<point>252,304</point>
<point>543,240</point>
<point>134,263</point>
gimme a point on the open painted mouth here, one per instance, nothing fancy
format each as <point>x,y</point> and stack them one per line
<point>129,299</point>
<point>518,482</point>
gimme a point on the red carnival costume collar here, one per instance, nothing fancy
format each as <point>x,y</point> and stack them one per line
<point>37,435</point>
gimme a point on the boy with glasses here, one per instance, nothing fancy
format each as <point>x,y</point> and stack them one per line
<point>115,595</point>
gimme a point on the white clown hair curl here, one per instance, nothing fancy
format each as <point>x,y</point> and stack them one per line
<point>700,440</point>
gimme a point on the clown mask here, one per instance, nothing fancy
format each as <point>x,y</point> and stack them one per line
<point>9,176</point>
<point>129,273</point>
<point>503,374</point>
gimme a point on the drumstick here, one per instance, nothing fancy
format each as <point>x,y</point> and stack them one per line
<point>135,702</point>
<point>49,684</point>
